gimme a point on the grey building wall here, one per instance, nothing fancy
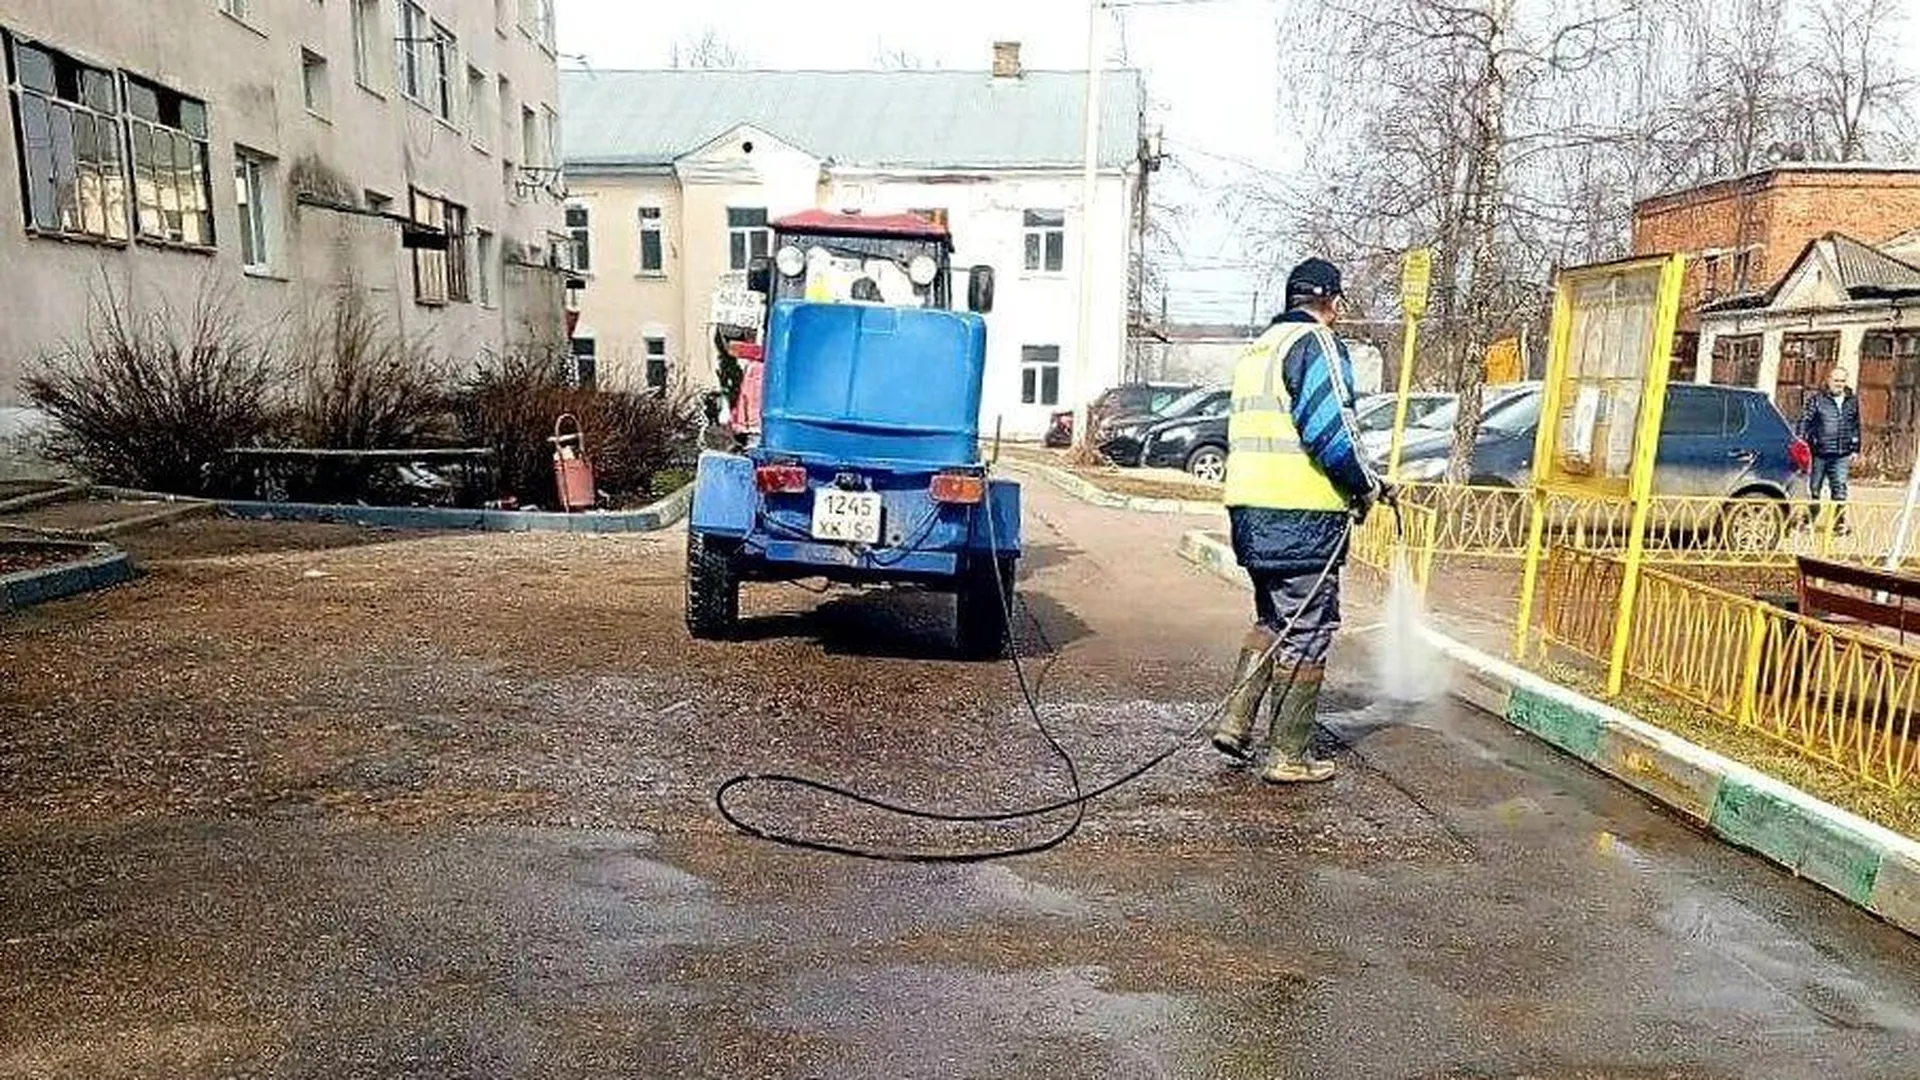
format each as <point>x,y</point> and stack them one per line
<point>364,142</point>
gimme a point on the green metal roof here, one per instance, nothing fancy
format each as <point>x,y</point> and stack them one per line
<point>877,119</point>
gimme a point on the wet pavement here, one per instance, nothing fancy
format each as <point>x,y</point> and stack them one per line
<point>310,802</point>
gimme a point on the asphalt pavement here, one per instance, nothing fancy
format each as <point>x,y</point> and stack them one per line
<point>305,802</point>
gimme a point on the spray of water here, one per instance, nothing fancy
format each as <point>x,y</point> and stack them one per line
<point>1407,667</point>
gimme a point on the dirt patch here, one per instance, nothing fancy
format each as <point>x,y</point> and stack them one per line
<point>19,558</point>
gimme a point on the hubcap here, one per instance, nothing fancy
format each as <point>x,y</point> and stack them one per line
<point>1210,467</point>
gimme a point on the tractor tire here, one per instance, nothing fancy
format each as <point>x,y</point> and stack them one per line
<point>713,589</point>
<point>981,607</point>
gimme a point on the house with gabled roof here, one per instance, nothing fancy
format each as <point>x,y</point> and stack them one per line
<point>676,176</point>
<point>1841,302</point>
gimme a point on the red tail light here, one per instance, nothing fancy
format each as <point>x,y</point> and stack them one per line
<point>780,479</point>
<point>1802,455</point>
<point>959,488</point>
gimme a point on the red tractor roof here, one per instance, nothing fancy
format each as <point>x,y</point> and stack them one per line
<point>838,223</point>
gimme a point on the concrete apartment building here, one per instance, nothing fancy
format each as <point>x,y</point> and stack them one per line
<point>676,175</point>
<point>277,151</point>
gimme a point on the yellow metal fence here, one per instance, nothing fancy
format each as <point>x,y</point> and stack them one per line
<point>1841,697</point>
<point>1374,541</point>
<point>1492,522</point>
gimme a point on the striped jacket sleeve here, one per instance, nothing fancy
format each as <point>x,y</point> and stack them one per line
<point>1318,385</point>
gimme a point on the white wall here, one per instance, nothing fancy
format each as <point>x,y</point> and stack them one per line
<point>986,213</point>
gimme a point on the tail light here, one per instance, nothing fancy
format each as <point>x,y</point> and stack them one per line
<point>1801,454</point>
<point>959,488</point>
<point>780,479</point>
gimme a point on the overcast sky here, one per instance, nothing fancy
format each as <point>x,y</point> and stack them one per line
<point>1209,69</point>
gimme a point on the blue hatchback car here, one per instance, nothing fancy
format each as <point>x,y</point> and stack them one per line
<point>1723,442</point>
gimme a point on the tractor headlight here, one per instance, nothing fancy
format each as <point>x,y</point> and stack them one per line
<point>791,261</point>
<point>922,270</point>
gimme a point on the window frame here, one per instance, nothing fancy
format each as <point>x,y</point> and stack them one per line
<point>411,30</point>
<point>312,63</point>
<point>250,189</point>
<point>653,228</point>
<point>109,164</point>
<point>650,358</point>
<point>364,16</point>
<point>742,233</point>
<point>1038,364</point>
<point>199,169</point>
<point>580,236</point>
<point>1043,231</point>
<point>485,249</point>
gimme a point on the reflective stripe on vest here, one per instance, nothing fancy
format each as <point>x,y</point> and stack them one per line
<point>1267,466</point>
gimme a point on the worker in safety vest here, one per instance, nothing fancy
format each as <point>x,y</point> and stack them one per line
<point>1295,484</point>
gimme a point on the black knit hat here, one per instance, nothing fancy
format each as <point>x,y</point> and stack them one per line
<point>1315,279</point>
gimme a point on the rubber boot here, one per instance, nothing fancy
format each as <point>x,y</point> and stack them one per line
<point>1288,761</point>
<point>1251,677</point>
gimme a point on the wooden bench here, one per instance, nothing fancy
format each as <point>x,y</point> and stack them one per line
<point>1876,599</point>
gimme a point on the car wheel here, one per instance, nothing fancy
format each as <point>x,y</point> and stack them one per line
<point>1208,463</point>
<point>1753,524</point>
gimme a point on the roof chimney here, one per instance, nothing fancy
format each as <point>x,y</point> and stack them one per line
<point>1006,59</point>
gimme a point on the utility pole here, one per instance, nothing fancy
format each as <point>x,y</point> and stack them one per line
<point>1089,192</point>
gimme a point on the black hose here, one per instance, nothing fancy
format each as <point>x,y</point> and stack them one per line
<point>1076,802</point>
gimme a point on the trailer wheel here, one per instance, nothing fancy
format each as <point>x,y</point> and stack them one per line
<point>713,589</point>
<point>980,611</point>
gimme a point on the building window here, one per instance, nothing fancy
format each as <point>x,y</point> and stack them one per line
<point>550,130</point>
<point>239,9</point>
<point>1039,374</point>
<point>366,31</point>
<point>410,54</point>
<point>313,83</point>
<point>477,119</point>
<point>1743,272</point>
<point>1736,360</point>
<point>459,271</point>
<point>1804,362</point>
<point>586,363</point>
<point>656,363</point>
<point>543,22</point>
<point>580,237</point>
<point>69,139</point>
<point>440,275</point>
<point>748,237</point>
<point>1046,232</point>
<point>172,185</point>
<point>442,64</point>
<point>529,137</point>
<point>250,192</point>
<point>506,116</point>
<point>653,241</point>
<point>485,255</point>
<point>1710,277</point>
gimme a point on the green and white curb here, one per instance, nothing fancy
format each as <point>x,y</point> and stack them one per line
<point>1867,864</point>
<point>1089,492</point>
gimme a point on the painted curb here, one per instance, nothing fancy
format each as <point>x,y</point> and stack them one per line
<point>1089,492</point>
<point>1871,866</point>
<point>660,515</point>
<point>103,568</point>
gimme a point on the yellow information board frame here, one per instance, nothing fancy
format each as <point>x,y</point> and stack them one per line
<point>1664,273</point>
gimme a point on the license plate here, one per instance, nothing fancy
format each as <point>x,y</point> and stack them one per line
<point>849,516</point>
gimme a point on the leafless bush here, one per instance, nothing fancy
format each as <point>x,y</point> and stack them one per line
<point>152,398</point>
<point>512,403</point>
<point>365,386</point>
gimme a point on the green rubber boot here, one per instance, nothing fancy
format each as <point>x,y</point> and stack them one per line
<point>1288,761</point>
<point>1251,677</point>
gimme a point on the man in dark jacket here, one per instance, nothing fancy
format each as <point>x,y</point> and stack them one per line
<point>1831,427</point>
<point>1295,483</point>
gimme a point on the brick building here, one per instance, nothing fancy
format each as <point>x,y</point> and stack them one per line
<point>1742,235</point>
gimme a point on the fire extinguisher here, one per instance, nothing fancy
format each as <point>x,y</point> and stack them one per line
<point>572,472</point>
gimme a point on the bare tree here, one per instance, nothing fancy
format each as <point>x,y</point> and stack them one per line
<point>1857,84</point>
<point>707,49</point>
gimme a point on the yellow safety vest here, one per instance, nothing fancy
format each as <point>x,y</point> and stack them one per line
<point>1266,465</point>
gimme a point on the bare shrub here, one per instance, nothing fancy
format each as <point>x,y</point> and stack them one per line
<point>366,386</point>
<point>152,398</point>
<point>511,404</point>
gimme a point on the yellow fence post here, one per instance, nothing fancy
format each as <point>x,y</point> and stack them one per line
<point>1750,670</point>
<point>1559,343</point>
<point>1646,445</point>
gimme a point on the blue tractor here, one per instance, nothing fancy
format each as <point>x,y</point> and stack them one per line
<point>868,468</point>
